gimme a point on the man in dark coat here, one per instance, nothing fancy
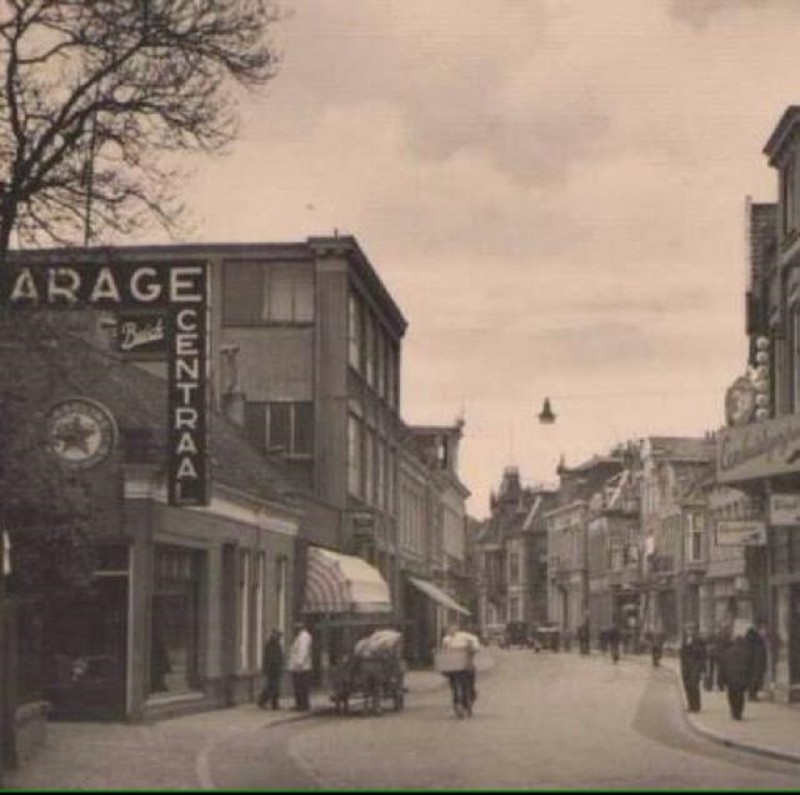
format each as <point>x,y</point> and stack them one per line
<point>736,667</point>
<point>693,665</point>
<point>755,637</point>
<point>614,639</point>
<point>656,647</point>
<point>273,671</point>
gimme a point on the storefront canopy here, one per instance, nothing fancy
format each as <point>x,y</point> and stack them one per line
<point>337,583</point>
<point>438,595</point>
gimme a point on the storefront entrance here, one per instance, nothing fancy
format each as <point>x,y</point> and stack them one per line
<point>88,653</point>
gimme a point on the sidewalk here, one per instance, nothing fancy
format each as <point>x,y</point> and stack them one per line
<point>767,728</point>
<point>169,754</point>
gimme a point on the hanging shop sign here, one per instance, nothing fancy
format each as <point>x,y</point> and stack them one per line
<point>161,307</point>
<point>759,450</point>
<point>784,509</point>
<point>740,401</point>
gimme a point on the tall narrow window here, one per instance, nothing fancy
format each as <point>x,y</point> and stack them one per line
<point>369,349</point>
<point>513,568</point>
<point>175,620</point>
<point>281,575</point>
<point>353,332</point>
<point>244,609</point>
<point>354,467</point>
<point>258,598</point>
<point>369,465</point>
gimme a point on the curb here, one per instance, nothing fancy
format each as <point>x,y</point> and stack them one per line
<point>721,739</point>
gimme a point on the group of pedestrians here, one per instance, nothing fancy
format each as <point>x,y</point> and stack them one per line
<point>738,663</point>
<point>299,665</point>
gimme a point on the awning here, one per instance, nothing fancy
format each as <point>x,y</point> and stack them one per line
<point>438,595</point>
<point>337,583</point>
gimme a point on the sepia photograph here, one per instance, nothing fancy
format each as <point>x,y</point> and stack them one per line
<point>399,395</point>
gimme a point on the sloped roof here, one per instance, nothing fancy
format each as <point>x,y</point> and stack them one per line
<point>70,367</point>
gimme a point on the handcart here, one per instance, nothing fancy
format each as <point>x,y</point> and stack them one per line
<point>374,673</point>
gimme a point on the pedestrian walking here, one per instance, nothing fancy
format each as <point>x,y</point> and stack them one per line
<point>736,666</point>
<point>299,665</point>
<point>584,637</point>
<point>273,671</point>
<point>656,647</point>
<point>613,639</point>
<point>756,638</point>
<point>693,665</point>
<point>712,660</point>
<point>458,665</point>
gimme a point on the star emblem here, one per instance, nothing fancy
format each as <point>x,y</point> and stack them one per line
<point>74,434</point>
<point>80,432</point>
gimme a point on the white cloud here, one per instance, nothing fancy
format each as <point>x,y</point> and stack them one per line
<point>553,191</point>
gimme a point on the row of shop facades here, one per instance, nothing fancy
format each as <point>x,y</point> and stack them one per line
<point>666,531</point>
<point>307,455</point>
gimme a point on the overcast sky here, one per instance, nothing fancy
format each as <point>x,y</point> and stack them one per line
<point>553,192</point>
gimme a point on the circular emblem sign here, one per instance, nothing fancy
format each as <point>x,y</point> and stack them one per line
<point>80,432</point>
<point>740,401</point>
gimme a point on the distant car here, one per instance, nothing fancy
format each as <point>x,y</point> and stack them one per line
<point>517,634</point>
<point>547,637</point>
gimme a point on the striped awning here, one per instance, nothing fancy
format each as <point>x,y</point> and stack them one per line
<point>438,595</point>
<point>337,583</point>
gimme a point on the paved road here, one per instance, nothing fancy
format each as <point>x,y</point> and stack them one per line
<point>542,721</point>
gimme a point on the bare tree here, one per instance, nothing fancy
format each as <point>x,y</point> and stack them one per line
<point>97,95</point>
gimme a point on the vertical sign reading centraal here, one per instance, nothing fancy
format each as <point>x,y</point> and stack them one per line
<point>188,481</point>
<point>175,292</point>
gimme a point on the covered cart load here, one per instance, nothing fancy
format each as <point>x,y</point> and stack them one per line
<point>374,671</point>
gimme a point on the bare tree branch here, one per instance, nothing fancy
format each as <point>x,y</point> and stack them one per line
<point>120,85</point>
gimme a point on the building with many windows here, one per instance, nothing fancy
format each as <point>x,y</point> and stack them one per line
<point>511,550</point>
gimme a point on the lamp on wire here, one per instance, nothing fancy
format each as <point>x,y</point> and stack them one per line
<point>546,415</point>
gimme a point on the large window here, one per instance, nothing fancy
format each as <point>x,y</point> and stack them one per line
<point>257,293</point>
<point>284,426</point>
<point>175,620</point>
<point>371,351</point>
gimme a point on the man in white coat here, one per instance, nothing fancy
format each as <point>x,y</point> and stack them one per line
<point>299,664</point>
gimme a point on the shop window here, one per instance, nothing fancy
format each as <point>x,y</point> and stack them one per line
<point>175,617</point>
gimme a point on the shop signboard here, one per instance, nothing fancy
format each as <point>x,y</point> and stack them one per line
<point>759,450</point>
<point>784,509</point>
<point>161,307</point>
